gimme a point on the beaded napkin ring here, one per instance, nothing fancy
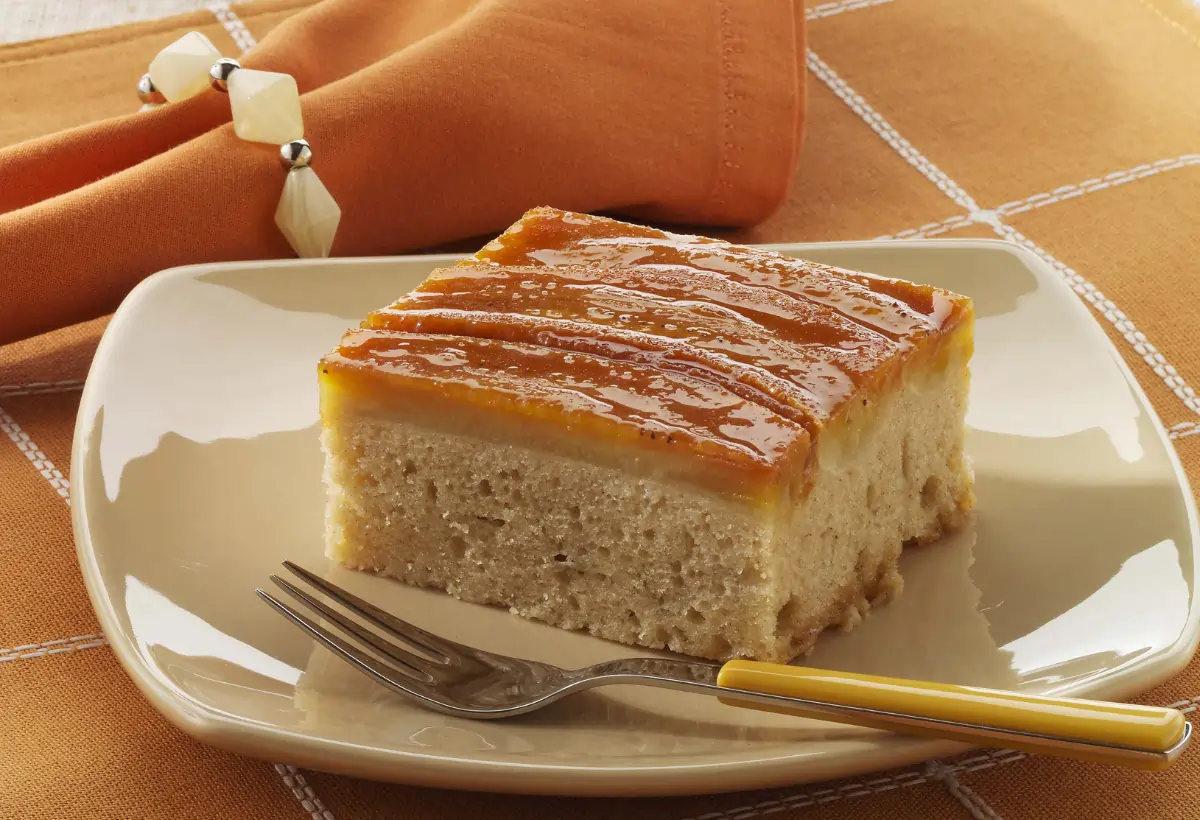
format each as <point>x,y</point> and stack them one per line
<point>266,108</point>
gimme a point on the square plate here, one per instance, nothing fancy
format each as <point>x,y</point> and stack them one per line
<point>197,469</point>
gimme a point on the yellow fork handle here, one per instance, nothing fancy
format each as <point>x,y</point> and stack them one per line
<point>1067,727</point>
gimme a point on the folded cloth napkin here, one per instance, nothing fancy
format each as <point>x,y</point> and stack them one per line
<point>430,120</point>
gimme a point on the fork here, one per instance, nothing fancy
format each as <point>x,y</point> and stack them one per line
<point>454,679</point>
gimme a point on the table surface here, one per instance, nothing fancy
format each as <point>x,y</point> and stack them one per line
<point>1072,128</point>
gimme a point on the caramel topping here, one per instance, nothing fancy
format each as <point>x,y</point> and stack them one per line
<point>595,331</point>
<point>594,398</point>
<point>750,383</point>
<point>797,352</point>
<point>547,236</point>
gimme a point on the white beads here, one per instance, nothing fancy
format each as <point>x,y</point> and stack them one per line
<point>266,106</point>
<point>181,69</point>
<point>307,215</point>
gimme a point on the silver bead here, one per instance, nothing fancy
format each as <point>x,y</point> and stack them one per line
<point>219,73</point>
<point>295,154</point>
<point>147,93</point>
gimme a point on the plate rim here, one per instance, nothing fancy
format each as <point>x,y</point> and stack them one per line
<point>279,745</point>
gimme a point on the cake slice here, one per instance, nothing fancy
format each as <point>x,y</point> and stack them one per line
<point>665,440</point>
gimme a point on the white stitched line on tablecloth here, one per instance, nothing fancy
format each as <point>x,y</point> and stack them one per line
<point>1184,429</point>
<point>951,189</point>
<point>930,228</point>
<point>1120,322</point>
<point>1099,184</point>
<point>294,780</point>
<point>987,760</point>
<point>39,388</point>
<point>973,803</point>
<point>1041,200</point>
<point>812,798</point>
<point>1186,706</point>
<point>36,457</point>
<point>863,788</point>
<point>45,649</point>
<point>831,9</point>
<point>889,134</point>
<point>233,25</point>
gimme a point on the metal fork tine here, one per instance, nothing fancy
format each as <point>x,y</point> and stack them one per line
<point>417,665</point>
<point>378,670</point>
<point>425,641</point>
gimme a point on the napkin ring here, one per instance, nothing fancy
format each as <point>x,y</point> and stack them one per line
<point>266,108</point>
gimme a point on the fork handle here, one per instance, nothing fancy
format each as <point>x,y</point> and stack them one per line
<point>1140,737</point>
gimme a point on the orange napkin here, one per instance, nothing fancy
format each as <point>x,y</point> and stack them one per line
<point>430,120</point>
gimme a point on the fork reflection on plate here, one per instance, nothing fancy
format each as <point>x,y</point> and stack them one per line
<point>466,682</point>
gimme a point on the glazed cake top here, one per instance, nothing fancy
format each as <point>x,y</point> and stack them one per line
<point>736,355</point>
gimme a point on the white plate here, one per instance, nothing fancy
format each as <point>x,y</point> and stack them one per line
<point>196,470</point>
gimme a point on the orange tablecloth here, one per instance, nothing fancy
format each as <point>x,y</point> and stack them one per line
<point>1072,127</point>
